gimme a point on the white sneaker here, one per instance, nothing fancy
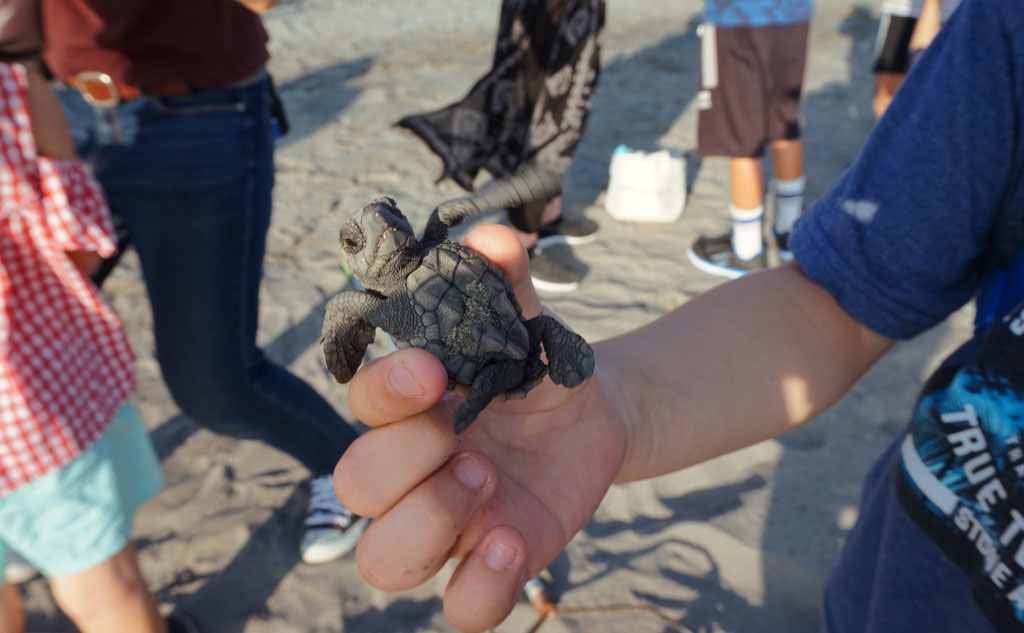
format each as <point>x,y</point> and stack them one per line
<point>18,569</point>
<point>332,530</point>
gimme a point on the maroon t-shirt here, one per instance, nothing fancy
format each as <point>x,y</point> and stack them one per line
<point>202,43</point>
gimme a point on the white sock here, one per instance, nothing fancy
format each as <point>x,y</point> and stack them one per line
<point>746,231</point>
<point>789,202</point>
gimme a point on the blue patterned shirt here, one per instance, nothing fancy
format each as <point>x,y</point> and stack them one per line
<point>732,13</point>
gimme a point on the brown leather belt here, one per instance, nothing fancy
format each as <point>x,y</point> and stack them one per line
<point>99,89</point>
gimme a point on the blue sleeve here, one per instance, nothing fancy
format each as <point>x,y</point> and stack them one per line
<point>903,238</point>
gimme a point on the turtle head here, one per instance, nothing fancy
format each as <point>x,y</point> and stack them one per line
<point>379,246</point>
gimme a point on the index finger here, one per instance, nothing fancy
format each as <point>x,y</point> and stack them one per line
<point>397,386</point>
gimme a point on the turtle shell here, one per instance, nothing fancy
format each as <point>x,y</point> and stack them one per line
<point>468,311</point>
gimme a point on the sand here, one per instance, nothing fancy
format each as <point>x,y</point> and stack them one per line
<point>742,543</point>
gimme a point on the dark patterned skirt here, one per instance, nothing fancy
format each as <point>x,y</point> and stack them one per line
<point>531,106</point>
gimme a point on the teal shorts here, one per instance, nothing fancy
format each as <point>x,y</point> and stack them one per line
<point>79,516</point>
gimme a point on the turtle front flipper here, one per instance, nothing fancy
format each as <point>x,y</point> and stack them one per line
<point>529,183</point>
<point>570,358</point>
<point>436,229</point>
<point>346,332</point>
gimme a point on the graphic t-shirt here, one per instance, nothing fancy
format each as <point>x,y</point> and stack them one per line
<point>907,236</point>
<point>733,13</point>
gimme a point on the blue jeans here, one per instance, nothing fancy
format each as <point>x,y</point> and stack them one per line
<point>189,182</point>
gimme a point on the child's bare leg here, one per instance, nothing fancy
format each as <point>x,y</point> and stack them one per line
<point>111,596</point>
<point>746,182</point>
<point>788,159</point>
<point>746,187</point>
<point>12,615</point>
<point>788,168</point>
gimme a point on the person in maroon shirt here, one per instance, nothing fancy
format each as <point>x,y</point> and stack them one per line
<point>171,104</point>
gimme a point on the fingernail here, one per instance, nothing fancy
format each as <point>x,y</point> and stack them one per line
<point>470,473</point>
<point>404,383</point>
<point>499,556</point>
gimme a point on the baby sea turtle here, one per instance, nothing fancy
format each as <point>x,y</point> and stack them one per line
<point>449,299</point>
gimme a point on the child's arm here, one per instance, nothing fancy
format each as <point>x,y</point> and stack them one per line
<point>928,25</point>
<point>53,140</point>
<point>87,262</point>
<point>50,129</point>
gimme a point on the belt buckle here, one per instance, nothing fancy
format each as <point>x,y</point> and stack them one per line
<point>98,88</point>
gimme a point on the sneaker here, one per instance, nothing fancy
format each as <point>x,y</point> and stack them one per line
<point>332,530</point>
<point>551,275</point>
<point>567,231</point>
<point>782,244</point>
<point>714,255</point>
<point>18,569</point>
<point>181,622</point>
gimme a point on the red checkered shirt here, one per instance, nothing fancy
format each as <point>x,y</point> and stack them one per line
<point>65,363</point>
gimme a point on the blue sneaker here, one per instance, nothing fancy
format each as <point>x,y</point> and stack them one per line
<point>782,244</point>
<point>714,255</point>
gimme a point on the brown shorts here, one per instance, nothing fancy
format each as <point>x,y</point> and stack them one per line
<point>749,95</point>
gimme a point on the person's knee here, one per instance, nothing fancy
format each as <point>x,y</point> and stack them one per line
<point>103,589</point>
<point>216,400</point>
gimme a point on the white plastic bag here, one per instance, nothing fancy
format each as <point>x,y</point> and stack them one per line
<point>645,187</point>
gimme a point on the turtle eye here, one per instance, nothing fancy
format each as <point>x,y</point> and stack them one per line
<point>351,238</point>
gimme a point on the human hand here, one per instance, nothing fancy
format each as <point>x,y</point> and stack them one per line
<point>505,497</point>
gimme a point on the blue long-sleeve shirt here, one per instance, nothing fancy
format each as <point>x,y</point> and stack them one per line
<point>908,235</point>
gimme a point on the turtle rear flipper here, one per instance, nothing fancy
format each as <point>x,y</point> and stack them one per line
<point>534,375</point>
<point>493,380</point>
<point>346,333</point>
<point>570,358</point>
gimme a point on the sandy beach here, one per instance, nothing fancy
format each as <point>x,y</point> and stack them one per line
<point>740,544</point>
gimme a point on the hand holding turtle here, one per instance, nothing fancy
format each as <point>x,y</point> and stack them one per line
<point>439,295</point>
<point>505,497</point>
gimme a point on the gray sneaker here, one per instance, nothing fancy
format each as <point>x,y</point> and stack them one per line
<point>567,231</point>
<point>550,274</point>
